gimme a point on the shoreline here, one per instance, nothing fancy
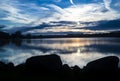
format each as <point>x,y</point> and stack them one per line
<point>51,68</point>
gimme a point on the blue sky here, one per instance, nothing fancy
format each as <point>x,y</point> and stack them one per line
<point>18,14</point>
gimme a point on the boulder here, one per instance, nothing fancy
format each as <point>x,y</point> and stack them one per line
<point>6,67</point>
<point>106,63</point>
<point>10,66</point>
<point>3,66</point>
<point>66,69</point>
<point>76,68</point>
<point>44,63</point>
<point>20,68</point>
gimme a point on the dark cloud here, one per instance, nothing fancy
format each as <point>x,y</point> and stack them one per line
<point>2,26</point>
<point>106,25</point>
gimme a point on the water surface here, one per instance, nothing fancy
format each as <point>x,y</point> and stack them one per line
<point>73,51</point>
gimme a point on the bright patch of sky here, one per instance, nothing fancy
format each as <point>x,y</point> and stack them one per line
<point>18,13</point>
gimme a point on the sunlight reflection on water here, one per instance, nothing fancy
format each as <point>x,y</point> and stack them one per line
<point>73,51</point>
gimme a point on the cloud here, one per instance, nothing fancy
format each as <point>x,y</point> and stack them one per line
<point>117,4</point>
<point>1,27</point>
<point>13,13</point>
<point>71,1</point>
<point>57,0</point>
<point>25,14</point>
<point>32,14</point>
<point>87,13</point>
<point>111,25</point>
<point>107,4</point>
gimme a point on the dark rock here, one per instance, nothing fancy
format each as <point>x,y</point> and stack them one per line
<point>10,66</point>
<point>3,66</point>
<point>77,71</point>
<point>6,67</point>
<point>20,67</point>
<point>76,68</point>
<point>50,68</point>
<point>66,69</point>
<point>44,63</point>
<point>103,69</point>
<point>106,63</point>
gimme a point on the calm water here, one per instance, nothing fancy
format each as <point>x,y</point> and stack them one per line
<point>73,51</point>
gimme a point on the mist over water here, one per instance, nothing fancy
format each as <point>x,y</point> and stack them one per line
<point>73,51</point>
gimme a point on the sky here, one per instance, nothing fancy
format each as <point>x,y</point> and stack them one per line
<point>64,16</point>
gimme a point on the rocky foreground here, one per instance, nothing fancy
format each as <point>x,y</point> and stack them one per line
<point>50,68</point>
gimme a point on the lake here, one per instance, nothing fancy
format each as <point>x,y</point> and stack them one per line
<point>73,51</point>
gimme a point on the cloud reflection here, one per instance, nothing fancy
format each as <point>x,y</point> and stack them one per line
<point>73,51</point>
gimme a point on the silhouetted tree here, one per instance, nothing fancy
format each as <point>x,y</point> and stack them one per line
<point>17,35</point>
<point>4,35</point>
<point>28,35</point>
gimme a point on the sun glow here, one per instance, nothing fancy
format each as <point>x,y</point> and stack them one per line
<point>66,45</point>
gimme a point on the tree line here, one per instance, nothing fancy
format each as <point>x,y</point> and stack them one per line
<point>19,35</point>
<point>16,35</point>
